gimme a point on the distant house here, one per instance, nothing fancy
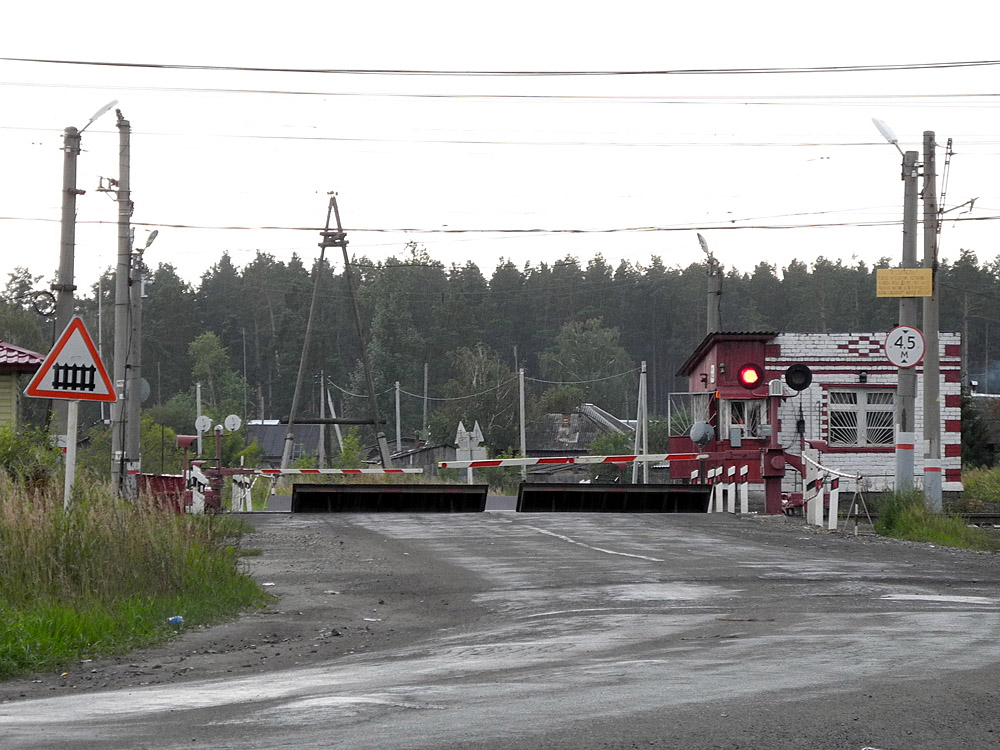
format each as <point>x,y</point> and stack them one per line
<point>419,456</point>
<point>270,436</point>
<point>14,361</point>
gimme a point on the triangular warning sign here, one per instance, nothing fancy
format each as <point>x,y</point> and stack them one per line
<point>73,369</point>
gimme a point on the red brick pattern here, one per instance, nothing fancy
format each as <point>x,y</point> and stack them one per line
<point>863,346</point>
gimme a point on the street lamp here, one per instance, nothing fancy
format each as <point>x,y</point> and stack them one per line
<point>906,383</point>
<point>64,286</point>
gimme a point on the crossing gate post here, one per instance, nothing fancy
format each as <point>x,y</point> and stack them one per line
<point>834,502</point>
<point>731,489</point>
<point>812,490</point>
<point>744,490</point>
<point>717,489</point>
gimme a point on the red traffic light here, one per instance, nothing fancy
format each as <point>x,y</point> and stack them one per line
<point>750,376</point>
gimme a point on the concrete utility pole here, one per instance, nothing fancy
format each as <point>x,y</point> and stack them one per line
<point>713,316</point>
<point>399,427</point>
<point>906,389</point>
<point>641,443</point>
<point>520,411</point>
<point>932,360</point>
<point>121,456</point>
<point>64,286</point>
<point>424,432</point>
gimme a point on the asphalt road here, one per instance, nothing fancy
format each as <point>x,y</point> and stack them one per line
<point>593,631</point>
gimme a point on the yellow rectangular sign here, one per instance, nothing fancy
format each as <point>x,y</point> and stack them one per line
<point>904,282</point>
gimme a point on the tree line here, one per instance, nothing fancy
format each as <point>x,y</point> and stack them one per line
<point>578,330</point>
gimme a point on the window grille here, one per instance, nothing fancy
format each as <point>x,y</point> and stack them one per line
<point>861,417</point>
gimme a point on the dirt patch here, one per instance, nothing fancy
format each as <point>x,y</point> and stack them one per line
<point>338,589</point>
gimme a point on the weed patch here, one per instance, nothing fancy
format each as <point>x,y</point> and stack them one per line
<point>104,576</point>
<point>906,516</point>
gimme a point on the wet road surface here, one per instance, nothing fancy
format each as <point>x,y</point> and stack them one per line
<point>616,631</point>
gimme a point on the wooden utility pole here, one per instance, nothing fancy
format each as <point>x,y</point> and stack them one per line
<point>339,239</point>
<point>286,450</point>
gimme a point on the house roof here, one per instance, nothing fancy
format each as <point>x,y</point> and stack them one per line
<point>271,438</point>
<point>719,336</point>
<point>17,359</point>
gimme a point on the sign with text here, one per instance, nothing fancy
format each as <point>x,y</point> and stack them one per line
<point>904,346</point>
<point>904,282</point>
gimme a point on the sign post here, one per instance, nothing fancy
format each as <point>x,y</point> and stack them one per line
<point>904,347</point>
<point>72,371</point>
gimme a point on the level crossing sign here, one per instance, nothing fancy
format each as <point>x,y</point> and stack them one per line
<point>73,369</point>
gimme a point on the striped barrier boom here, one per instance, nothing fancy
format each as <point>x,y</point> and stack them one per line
<point>495,462</point>
<point>276,472</point>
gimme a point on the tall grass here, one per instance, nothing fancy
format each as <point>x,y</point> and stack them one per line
<point>905,515</point>
<point>982,488</point>
<point>104,576</point>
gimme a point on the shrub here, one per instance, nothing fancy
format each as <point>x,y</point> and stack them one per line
<point>28,456</point>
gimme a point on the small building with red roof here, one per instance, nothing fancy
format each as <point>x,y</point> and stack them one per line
<point>14,361</point>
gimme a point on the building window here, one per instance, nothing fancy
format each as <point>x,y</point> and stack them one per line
<point>748,415</point>
<point>862,417</point>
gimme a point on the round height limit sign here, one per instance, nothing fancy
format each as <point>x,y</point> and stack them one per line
<point>904,346</point>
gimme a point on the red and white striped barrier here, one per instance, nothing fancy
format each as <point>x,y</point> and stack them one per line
<point>276,472</point>
<point>494,462</point>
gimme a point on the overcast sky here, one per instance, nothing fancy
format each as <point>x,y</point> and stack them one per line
<point>218,154</point>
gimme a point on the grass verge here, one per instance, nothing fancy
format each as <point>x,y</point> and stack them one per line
<point>103,577</point>
<point>906,516</point>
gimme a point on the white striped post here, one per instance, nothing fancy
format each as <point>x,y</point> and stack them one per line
<point>811,488</point>
<point>717,489</point>
<point>731,490</point>
<point>744,489</point>
<point>834,503</point>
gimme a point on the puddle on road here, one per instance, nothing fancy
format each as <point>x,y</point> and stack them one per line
<point>939,598</point>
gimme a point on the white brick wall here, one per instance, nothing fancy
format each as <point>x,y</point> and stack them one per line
<point>837,359</point>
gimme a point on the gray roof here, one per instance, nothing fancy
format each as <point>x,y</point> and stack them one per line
<point>271,439</point>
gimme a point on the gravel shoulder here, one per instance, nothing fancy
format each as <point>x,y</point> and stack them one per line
<point>338,590</point>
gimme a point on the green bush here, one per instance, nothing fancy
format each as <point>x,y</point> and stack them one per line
<point>28,456</point>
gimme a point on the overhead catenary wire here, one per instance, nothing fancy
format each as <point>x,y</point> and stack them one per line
<point>520,73</point>
<point>720,227</point>
<point>701,99</point>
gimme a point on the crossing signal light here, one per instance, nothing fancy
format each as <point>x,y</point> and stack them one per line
<point>750,376</point>
<point>798,377</point>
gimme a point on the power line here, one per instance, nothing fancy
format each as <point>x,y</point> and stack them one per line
<point>520,73</point>
<point>516,231</point>
<point>706,99</point>
<point>583,382</point>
